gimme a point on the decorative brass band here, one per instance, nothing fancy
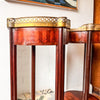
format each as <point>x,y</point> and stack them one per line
<point>88,27</point>
<point>41,21</point>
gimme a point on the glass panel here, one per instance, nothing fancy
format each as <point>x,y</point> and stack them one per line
<point>23,72</point>
<point>45,72</point>
<point>95,69</point>
<point>74,61</point>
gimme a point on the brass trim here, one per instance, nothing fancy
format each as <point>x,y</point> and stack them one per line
<point>41,21</point>
<point>88,27</point>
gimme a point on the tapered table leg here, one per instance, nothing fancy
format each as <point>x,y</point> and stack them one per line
<point>60,57</point>
<point>13,67</point>
<point>33,72</point>
<point>87,65</point>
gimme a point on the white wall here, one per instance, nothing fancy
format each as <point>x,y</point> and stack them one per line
<point>75,52</point>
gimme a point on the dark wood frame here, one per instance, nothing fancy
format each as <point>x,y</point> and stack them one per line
<point>53,36</point>
<point>47,36</point>
<point>88,38</point>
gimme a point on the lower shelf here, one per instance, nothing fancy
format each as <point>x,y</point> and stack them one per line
<point>47,94</point>
<point>77,95</point>
<point>50,95</point>
<point>98,96</point>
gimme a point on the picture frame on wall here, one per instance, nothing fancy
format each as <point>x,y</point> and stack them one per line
<point>69,4</point>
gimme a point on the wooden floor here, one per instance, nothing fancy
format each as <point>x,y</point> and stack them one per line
<point>77,95</point>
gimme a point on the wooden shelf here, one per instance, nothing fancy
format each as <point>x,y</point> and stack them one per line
<point>76,95</point>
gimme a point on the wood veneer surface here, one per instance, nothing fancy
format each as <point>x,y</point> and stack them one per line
<point>77,95</point>
<point>96,50</point>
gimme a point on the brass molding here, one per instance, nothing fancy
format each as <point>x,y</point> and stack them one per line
<point>41,21</point>
<point>88,27</point>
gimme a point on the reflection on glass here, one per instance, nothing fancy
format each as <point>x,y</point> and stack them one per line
<point>23,72</point>
<point>45,73</point>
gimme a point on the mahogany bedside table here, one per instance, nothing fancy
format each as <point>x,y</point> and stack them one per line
<point>34,31</point>
<point>87,34</point>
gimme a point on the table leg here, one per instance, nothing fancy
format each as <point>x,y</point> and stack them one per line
<point>87,66</point>
<point>13,67</point>
<point>60,57</point>
<point>33,72</point>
